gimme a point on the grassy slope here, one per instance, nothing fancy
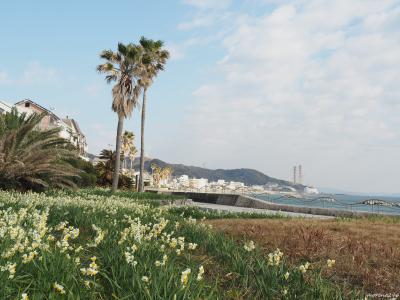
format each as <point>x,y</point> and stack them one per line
<point>366,250</point>
<point>127,220</point>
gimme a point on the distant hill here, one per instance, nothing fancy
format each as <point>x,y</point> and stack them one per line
<point>247,176</point>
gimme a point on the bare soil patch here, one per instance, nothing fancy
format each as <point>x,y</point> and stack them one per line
<point>367,252</point>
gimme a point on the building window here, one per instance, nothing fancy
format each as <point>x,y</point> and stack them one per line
<point>27,104</point>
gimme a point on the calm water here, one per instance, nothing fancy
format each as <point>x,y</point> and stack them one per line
<point>386,205</point>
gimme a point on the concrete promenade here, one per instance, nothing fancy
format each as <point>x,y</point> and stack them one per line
<point>238,209</point>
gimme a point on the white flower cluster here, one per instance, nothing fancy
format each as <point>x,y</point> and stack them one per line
<point>26,236</point>
<point>274,258</point>
<point>249,246</point>
<point>93,268</point>
<point>303,268</point>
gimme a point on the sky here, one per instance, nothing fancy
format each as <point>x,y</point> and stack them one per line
<point>262,84</point>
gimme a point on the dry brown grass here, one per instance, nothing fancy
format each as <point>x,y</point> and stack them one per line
<point>367,252</point>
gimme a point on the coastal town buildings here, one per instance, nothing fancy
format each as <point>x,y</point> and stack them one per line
<point>69,128</point>
<point>184,183</point>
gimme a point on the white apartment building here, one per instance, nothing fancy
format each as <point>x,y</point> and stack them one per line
<point>73,133</point>
<point>198,183</point>
<point>311,190</point>
<point>221,182</point>
<point>183,180</point>
<point>4,107</point>
<point>69,127</point>
<point>234,185</point>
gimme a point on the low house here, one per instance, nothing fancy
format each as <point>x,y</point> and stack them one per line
<point>69,128</point>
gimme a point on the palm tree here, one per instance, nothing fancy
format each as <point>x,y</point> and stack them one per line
<point>121,67</point>
<point>156,174</point>
<point>127,145</point>
<point>153,60</point>
<point>132,154</point>
<point>32,159</point>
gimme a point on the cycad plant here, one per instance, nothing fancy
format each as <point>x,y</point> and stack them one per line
<point>153,60</point>
<point>121,67</point>
<point>31,159</point>
<point>105,170</point>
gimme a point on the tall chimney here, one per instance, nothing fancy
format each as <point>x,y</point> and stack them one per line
<point>294,174</point>
<point>300,174</point>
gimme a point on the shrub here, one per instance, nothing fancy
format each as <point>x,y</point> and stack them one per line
<point>87,175</point>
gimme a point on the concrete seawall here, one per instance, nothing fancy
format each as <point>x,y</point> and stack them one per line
<point>247,201</point>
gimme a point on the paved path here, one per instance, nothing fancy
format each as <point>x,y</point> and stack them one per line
<point>238,209</point>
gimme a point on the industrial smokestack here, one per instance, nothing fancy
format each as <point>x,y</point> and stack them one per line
<point>294,174</point>
<point>300,174</point>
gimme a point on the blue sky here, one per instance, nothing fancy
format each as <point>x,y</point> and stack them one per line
<point>56,45</point>
<point>264,84</point>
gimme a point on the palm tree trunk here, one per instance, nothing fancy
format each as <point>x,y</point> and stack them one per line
<point>117,154</point>
<point>141,179</point>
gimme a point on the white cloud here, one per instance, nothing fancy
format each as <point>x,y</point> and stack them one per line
<point>312,82</point>
<point>197,21</point>
<point>208,13</point>
<point>34,73</point>
<point>177,51</point>
<point>208,4</point>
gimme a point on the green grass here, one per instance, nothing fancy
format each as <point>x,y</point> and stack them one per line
<point>147,196</point>
<point>34,222</point>
<point>372,218</point>
<point>200,213</point>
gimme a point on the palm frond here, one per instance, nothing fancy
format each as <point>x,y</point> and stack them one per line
<point>31,159</point>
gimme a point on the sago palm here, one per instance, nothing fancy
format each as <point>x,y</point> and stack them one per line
<point>105,167</point>
<point>121,68</point>
<point>153,61</point>
<point>32,159</point>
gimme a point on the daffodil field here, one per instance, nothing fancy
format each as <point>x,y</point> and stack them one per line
<point>90,245</point>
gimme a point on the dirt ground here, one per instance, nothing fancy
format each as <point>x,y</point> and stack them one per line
<point>367,252</point>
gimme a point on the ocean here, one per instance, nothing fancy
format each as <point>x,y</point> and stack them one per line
<point>372,204</point>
